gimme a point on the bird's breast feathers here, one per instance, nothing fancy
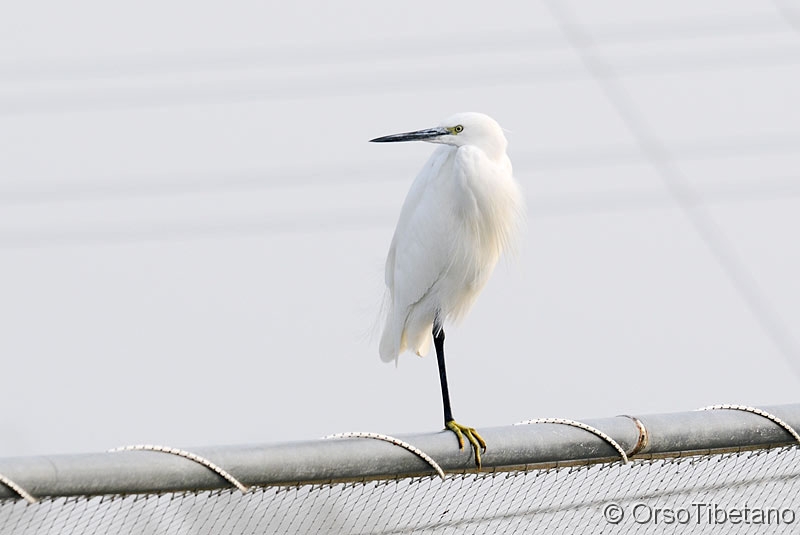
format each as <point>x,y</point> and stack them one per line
<point>491,202</point>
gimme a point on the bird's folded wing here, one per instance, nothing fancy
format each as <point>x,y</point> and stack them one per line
<point>423,243</point>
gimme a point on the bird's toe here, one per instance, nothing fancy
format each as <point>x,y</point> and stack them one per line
<point>474,438</point>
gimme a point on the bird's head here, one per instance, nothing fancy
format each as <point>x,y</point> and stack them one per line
<point>467,128</point>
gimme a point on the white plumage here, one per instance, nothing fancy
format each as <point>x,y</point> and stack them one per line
<point>461,213</point>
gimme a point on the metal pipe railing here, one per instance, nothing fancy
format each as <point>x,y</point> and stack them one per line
<point>357,459</point>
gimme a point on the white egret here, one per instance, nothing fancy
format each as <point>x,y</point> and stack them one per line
<point>461,212</point>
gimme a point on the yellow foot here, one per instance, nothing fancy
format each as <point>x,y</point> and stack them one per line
<point>478,444</point>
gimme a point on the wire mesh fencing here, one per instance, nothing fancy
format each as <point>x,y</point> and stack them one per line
<point>743,487</point>
<point>745,491</point>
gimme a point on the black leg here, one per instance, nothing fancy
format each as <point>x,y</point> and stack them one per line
<point>461,431</point>
<point>438,343</point>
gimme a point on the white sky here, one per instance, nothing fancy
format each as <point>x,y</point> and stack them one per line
<point>193,225</point>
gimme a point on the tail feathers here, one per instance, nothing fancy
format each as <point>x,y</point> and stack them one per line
<point>390,347</point>
<point>412,333</point>
<point>419,325</point>
<point>392,342</point>
<point>422,340</point>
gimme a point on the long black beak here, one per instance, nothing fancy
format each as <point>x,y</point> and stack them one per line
<point>412,136</point>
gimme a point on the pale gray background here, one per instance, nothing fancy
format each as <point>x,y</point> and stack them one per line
<point>193,225</point>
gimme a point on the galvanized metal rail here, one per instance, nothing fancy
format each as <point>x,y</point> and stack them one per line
<point>322,461</point>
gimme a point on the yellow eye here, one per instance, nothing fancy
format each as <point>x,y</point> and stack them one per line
<point>458,129</point>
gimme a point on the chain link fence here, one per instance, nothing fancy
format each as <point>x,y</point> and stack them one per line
<point>748,488</point>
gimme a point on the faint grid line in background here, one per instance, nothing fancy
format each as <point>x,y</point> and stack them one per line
<point>442,45</point>
<point>311,84</point>
<point>311,87</point>
<point>790,14</point>
<point>360,172</point>
<point>708,230</point>
<point>566,205</point>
